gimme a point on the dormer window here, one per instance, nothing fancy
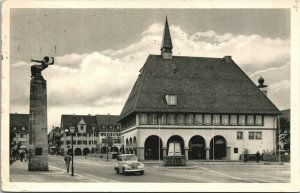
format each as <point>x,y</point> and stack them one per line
<point>23,128</point>
<point>171,99</point>
<point>14,128</point>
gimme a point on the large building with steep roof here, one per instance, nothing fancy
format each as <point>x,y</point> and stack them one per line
<point>209,105</point>
<point>19,130</point>
<point>91,133</point>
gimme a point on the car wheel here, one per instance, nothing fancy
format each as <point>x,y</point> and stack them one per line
<point>142,172</point>
<point>123,171</point>
<point>117,170</point>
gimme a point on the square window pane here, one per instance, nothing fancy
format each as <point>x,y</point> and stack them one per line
<point>242,119</point>
<point>239,135</point>
<point>251,135</point>
<point>198,119</point>
<point>216,119</point>
<point>258,120</point>
<point>225,119</point>
<point>233,119</point>
<point>250,119</point>
<point>258,135</point>
<point>207,119</point>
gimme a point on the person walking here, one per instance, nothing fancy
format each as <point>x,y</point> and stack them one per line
<point>22,156</point>
<point>67,162</point>
<point>257,156</point>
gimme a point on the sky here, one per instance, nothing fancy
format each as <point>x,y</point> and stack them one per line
<point>99,52</point>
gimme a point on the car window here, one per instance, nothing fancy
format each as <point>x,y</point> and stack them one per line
<point>119,158</point>
<point>130,158</point>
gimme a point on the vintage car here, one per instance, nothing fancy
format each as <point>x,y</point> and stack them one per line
<point>128,163</point>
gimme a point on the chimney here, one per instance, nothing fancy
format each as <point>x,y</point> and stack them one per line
<point>227,59</point>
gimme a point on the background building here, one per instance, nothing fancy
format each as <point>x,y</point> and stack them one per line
<point>208,105</point>
<point>19,130</point>
<point>91,133</point>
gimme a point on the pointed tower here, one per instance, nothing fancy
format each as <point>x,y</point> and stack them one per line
<point>166,44</point>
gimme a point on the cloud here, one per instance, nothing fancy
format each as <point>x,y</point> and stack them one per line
<point>100,82</point>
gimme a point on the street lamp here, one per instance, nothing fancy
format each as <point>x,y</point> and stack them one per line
<point>72,131</point>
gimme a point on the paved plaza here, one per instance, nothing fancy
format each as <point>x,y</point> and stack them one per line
<point>94,170</point>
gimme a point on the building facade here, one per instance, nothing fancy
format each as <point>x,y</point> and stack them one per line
<point>19,130</point>
<point>208,105</point>
<point>91,134</point>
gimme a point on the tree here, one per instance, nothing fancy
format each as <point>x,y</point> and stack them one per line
<point>283,136</point>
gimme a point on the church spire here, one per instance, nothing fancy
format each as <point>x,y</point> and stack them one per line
<point>166,44</point>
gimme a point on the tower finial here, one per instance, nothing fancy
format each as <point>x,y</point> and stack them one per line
<point>166,44</point>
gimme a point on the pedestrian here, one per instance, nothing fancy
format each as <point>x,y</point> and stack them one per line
<point>22,156</point>
<point>245,157</point>
<point>257,156</point>
<point>67,162</point>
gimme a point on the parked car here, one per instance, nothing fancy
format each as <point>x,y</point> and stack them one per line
<point>128,163</point>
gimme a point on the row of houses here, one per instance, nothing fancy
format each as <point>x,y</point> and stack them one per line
<point>208,105</point>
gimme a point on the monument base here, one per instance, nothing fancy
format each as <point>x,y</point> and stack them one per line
<point>38,162</point>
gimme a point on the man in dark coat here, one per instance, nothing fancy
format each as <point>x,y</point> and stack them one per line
<point>67,161</point>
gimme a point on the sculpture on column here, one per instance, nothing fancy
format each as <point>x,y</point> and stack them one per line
<point>36,70</point>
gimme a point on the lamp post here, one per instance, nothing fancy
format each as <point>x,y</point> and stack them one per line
<point>71,130</point>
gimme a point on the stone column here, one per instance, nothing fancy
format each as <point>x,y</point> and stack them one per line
<point>207,153</point>
<point>38,142</point>
<point>228,153</point>
<point>141,153</point>
<point>186,153</point>
<point>164,151</point>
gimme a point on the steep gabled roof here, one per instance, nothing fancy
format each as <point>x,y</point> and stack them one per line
<point>107,120</point>
<point>68,121</point>
<point>204,85</point>
<point>19,121</point>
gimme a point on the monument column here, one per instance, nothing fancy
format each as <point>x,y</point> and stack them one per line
<point>38,141</point>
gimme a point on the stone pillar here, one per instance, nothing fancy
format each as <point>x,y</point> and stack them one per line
<point>186,153</point>
<point>207,153</point>
<point>38,142</point>
<point>164,151</point>
<point>141,153</point>
<point>228,153</point>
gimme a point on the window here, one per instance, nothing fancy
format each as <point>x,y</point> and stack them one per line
<point>79,134</point>
<point>190,119</point>
<point>225,119</point>
<point>233,119</point>
<point>258,120</point>
<point>171,99</point>
<point>153,118</point>
<point>14,128</point>
<point>242,119</point>
<point>163,119</point>
<point>84,142</point>
<point>250,119</point>
<point>74,142</point>
<point>68,142</point>
<point>239,135</point>
<point>81,127</point>
<point>96,134</point>
<point>236,150</point>
<point>103,134</point>
<point>198,119</point>
<point>251,135</point>
<point>90,142</point>
<point>118,127</point>
<point>143,118</point>
<point>103,127</point>
<point>110,127</point>
<point>258,135</point>
<point>216,119</point>
<point>23,128</point>
<point>95,142</point>
<point>62,142</point>
<point>180,119</point>
<point>171,119</point>
<point>79,142</point>
<point>207,119</point>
